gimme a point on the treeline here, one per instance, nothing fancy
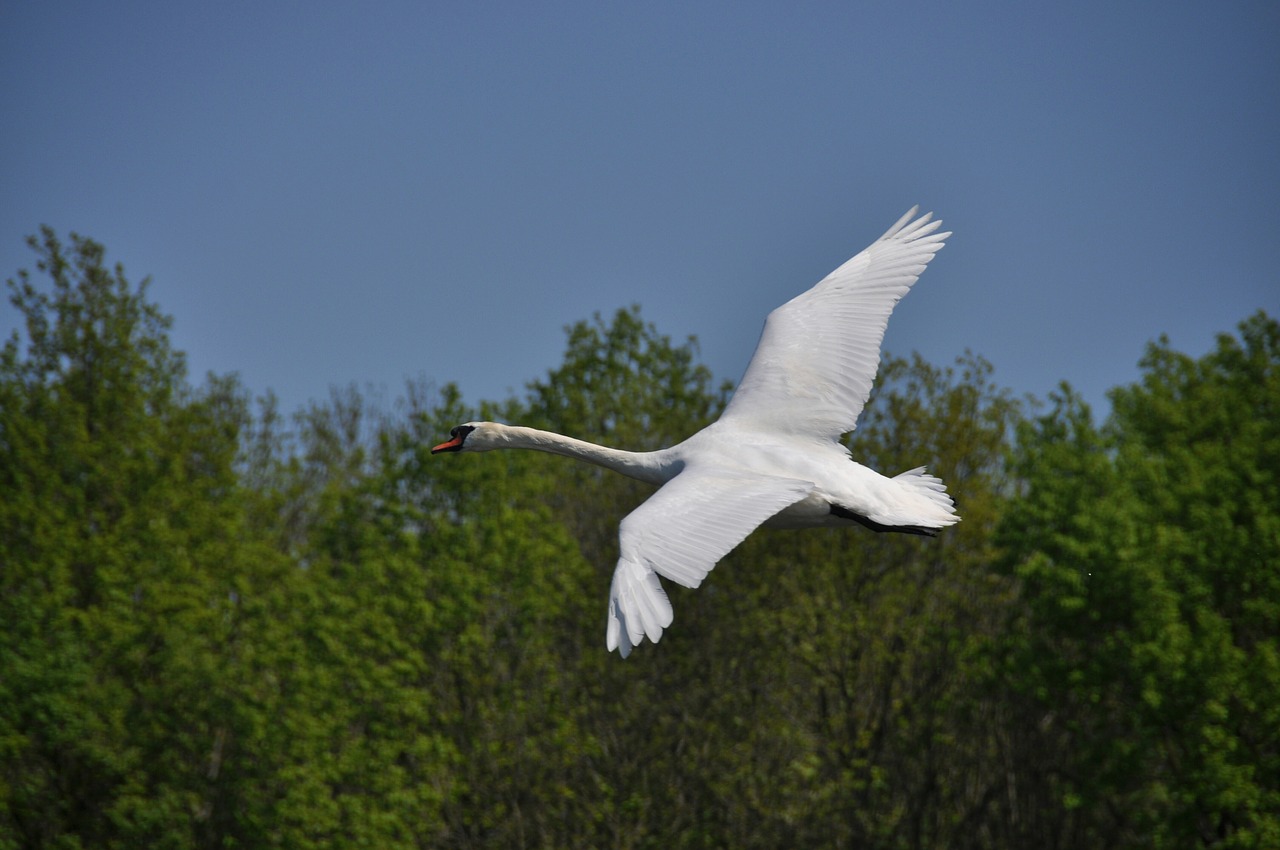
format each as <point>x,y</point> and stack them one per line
<point>225,627</point>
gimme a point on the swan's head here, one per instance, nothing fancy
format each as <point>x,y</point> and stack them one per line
<point>471,437</point>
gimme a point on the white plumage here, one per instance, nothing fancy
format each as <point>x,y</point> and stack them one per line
<point>774,457</point>
<point>818,355</point>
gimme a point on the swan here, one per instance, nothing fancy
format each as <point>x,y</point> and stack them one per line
<point>775,456</point>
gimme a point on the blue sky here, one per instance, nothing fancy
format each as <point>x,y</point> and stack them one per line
<point>335,193</point>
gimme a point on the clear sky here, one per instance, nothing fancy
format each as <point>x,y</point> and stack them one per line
<point>331,193</point>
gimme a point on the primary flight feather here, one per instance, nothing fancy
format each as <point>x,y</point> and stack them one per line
<point>774,457</point>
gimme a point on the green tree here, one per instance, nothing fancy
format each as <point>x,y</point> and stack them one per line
<point>130,596</point>
<point>230,629</point>
<point>434,675</point>
<point>849,664</point>
<point>773,712</point>
<point>625,384</point>
<point>1147,648</point>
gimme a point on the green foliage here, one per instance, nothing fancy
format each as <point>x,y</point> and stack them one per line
<point>877,723</point>
<point>1147,552</point>
<point>127,584</point>
<point>225,627</point>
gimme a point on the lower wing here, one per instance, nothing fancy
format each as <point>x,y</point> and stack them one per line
<point>680,533</point>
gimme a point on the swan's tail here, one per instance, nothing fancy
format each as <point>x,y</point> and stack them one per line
<point>931,507</point>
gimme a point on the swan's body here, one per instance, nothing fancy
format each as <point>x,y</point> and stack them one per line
<point>774,457</point>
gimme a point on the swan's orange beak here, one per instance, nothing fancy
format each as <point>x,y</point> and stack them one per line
<point>449,445</point>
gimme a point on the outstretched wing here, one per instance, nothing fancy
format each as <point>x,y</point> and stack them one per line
<point>680,533</point>
<point>817,357</point>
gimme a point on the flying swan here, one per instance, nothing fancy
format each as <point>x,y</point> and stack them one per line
<point>774,457</point>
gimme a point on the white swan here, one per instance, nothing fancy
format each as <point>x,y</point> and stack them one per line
<point>774,457</point>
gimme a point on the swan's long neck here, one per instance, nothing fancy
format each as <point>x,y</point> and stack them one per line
<point>655,467</point>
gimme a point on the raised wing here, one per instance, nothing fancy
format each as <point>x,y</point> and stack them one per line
<point>680,533</point>
<point>818,355</point>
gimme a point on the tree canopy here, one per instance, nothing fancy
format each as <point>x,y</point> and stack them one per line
<point>224,626</point>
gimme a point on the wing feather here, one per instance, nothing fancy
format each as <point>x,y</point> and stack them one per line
<point>680,533</point>
<point>817,357</point>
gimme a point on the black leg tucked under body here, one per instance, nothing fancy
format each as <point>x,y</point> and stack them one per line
<point>845,513</point>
